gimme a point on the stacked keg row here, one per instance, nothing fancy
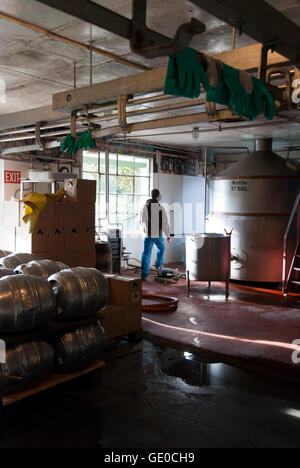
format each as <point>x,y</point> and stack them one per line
<point>33,293</point>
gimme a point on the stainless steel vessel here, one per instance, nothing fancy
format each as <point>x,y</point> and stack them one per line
<point>13,260</point>
<point>80,347</point>
<point>26,303</point>
<point>6,272</point>
<point>208,257</point>
<point>255,198</point>
<point>43,268</point>
<point>4,253</point>
<point>28,361</point>
<point>80,292</point>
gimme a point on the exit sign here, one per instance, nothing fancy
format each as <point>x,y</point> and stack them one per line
<point>12,177</point>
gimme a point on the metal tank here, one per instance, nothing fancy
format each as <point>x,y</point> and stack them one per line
<point>80,347</point>
<point>26,303</point>
<point>4,253</point>
<point>43,268</point>
<point>13,260</point>
<point>255,198</point>
<point>80,292</point>
<point>29,361</point>
<point>6,272</point>
<point>208,257</point>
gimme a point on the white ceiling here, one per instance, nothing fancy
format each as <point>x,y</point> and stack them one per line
<point>35,66</point>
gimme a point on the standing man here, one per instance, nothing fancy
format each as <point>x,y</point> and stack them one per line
<point>155,224</point>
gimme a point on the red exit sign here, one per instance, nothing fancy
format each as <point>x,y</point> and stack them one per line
<point>12,177</point>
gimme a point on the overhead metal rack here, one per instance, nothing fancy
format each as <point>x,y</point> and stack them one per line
<point>258,19</point>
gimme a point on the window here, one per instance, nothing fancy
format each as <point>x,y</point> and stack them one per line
<point>129,185</point>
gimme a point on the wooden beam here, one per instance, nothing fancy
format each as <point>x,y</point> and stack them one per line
<point>259,20</point>
<point>248,58</point>
<point>29,117</point>
<point>102,93</point>
<point>189,119</point>
<point>245,58</point>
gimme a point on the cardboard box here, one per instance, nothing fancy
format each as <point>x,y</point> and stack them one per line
<point>108,277</point>
<point>132,320</point>
<point>57,240</point>
<point>46,218</point>
<point>60,214</point>
<point>74,240</point>
<point>84,258</point>
<point>79,190</point>
<point>64,232</point>
<point>112,321</point>
<point>119,322</point>
<point>126,292</point>
<point>37,243</point>
<point>87,214</point>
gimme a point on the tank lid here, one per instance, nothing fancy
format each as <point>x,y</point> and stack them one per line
<point>207,235</point>
<point>259,164</point>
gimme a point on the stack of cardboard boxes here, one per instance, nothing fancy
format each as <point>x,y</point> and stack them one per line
<point>65,231</point>
<point>123,314</point>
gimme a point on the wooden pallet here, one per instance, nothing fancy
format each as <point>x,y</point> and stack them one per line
<point>51,381</point>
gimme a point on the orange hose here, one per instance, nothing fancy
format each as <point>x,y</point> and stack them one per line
<point>166,303</point>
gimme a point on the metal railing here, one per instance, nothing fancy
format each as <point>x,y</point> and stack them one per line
<point>288,269</point>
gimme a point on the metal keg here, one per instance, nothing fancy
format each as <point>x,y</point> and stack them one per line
<point>6,272</point>
<point>4,253</point>
<point>208,257</point>
<point>26,303</point>
<point>28,361</point>
<point>80,292</point>
<point>80,347</point>
<point>13,260</point>
<point>43,268</point>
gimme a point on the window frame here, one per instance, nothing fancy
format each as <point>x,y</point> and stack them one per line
<point>108,193</point>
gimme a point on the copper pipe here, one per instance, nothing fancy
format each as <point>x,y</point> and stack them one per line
<point>58,37</point>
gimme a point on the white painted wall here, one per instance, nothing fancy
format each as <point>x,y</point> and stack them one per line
<point>10,191</point>
<point>177,191</point>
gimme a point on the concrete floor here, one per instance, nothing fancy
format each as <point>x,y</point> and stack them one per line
<point>159,398</point>
<point>253,326</point>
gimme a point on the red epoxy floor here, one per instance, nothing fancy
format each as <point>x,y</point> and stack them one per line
<point>251,328</point>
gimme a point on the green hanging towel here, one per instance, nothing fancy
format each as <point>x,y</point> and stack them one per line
<point>261,96</point>
<point>186,74</point>
<point>242,103</point>
<point>70,146</point>
<point>85,141</point>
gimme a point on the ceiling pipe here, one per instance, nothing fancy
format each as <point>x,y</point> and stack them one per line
<point>81,45</point>
<point>145,111</point>
<point>24,159</point>
<point>213,130</point>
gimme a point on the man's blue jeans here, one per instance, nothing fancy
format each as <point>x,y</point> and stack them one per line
<point>147,254</point>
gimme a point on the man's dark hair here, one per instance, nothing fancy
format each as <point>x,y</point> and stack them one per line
<point>155,194</point>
